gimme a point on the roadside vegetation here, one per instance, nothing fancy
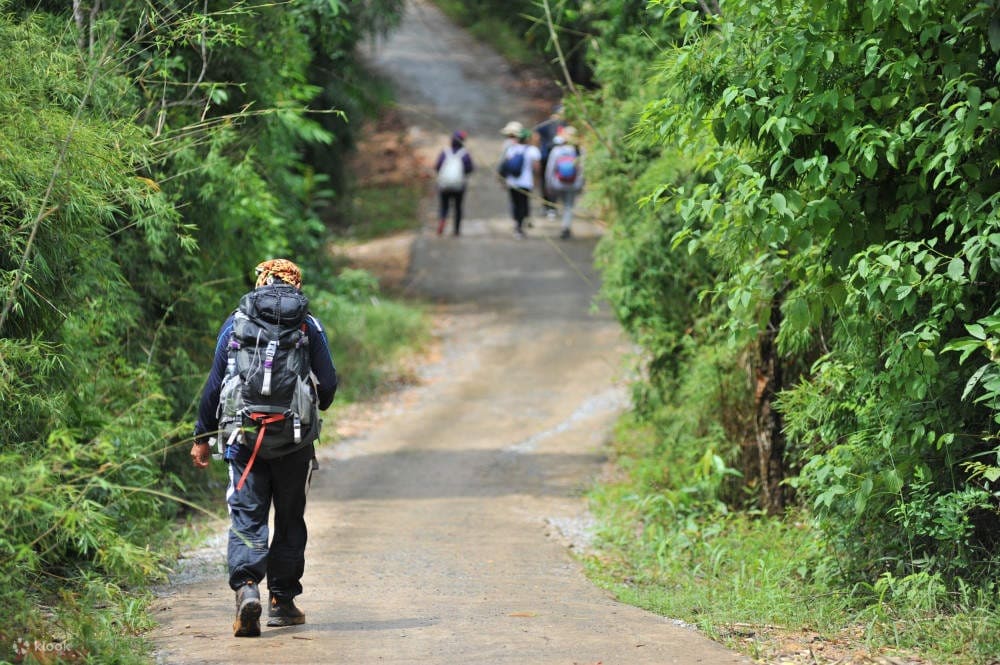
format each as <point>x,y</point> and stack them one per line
<point>149,158</point>
<point>380,194</point>
<point>375,211</point>
<point>804,243</point>
<point>504,25</point>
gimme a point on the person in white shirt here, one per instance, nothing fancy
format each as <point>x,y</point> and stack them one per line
<point>521,183</point>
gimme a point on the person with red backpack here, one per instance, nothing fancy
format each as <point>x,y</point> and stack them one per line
<point>453,167</point>
<point>271,375</point>
<point>564,175</point>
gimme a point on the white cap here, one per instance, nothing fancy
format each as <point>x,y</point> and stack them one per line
<point>512,128</point>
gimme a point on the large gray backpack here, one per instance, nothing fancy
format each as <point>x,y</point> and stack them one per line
<point>268,392</point>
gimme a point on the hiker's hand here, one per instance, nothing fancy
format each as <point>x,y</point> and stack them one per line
<point>201,454</point>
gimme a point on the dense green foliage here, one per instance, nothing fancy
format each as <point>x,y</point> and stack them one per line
<point>845,179</point>
<point>149,158</point>
<point>804,243</point>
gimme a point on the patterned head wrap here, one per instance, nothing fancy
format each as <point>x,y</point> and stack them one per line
<point>282,269</point>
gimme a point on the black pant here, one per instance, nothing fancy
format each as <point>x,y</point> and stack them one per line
<point>519,207</point>
<point>285,482</point>
<point>446,198</point>
<point>548,196</point>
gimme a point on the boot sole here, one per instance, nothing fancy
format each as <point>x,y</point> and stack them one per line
<point>247,622</point>
<point>277,622</point>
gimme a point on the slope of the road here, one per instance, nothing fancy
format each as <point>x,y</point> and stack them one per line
<point>436,537</point>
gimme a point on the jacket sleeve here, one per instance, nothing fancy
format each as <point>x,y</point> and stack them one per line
<point>440,161</point>
<point>467,162</point>
<point>322,363</point>
<point>208,408</point>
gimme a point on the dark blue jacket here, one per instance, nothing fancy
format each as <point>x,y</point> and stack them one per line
<point>322,367</point>
<point>547,130</point>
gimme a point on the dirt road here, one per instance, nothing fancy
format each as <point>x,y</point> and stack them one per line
<point>441,535</point>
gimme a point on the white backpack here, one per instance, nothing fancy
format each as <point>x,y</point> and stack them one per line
<point>451,176</point>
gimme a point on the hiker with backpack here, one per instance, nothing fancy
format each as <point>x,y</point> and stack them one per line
<point>453,166</point>
<point>271,375</point>
<point>518,165</point>
<point>547,131</point>
<point>564,175</point>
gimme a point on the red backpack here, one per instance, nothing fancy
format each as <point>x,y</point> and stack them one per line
<point>566,170</point>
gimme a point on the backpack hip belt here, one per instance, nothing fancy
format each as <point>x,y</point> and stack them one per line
<point>262,420</point>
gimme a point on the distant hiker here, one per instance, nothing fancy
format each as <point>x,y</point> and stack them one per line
<point>547,131</point>
<point>518,166</point>
<point>564,175</point>
<point>511,130</point>
<point>272,372</point>
<point>453,166</point>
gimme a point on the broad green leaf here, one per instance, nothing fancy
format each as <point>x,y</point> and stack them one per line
<point>976,330</point>
<point>973,381</point>
<point>994,33</point>
<point>779,202</point>
<point>798,313</point>
<point>956,269</point>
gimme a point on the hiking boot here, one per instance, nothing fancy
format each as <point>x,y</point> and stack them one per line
<point>248,610</point>
<point>565,234</point>
<point>284,613</point>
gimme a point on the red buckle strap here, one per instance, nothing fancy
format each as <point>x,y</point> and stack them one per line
<point>262,420</point>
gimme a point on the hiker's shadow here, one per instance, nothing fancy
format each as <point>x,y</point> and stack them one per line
<point>359,625</point>
<point>388,624</point>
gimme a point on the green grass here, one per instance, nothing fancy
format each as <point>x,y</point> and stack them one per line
<point>738,576</point>
<point>370,212</point>
<point>369,337</point>
<point>500,34</point>
<point>95,622</point>
<point>712,572</point>
<point>505,40</point>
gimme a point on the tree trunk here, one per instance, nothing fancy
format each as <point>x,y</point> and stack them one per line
<point>81,31</point>
<point>770,437</point>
